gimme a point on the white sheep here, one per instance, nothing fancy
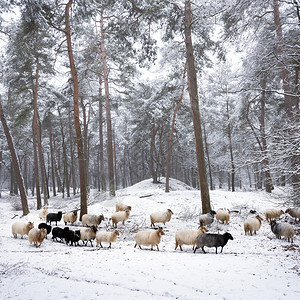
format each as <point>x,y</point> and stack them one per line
<point>43,213</point>
<point>294,212</point>
<point>120,216</point>
<point>21,228</point>
<point>148,238</point>
<point>207,219</point>
<point>107,237</point>
<point>161,217</point>
<point>70,217</point>
<point>122,207</point>
<point>89,220</point>
<point>88,234</point>
<point>283,229</point>
<point>37,236</point>
<point>188,237</point>
<point>272,213</point>
<point>252,225</point>
<point>223,215</point>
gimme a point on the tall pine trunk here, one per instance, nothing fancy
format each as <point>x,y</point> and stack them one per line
<point>193,92</point>
<point>81,160</point>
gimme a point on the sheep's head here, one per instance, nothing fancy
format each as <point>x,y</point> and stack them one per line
<point>228,236</point>
<point>203,229</point>
<point>75,212</point>
<point>43,232</point>
<point>160,231</point>
<point>212,212</point>
<point>272,223</point>
<point>94,228</point>
<point>259,218</point>
<point>30,225</point>
<point>116,232</point>
<point>169,210</point>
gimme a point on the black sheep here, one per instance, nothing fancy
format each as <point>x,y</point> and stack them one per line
<point>73,237</point>
<point>46,226</point>
<point>213,240</point>
<point>54,217</point>
<point>58,232</point>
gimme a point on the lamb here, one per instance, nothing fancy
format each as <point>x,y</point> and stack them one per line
<point>107,237</point>
<point>272,213</point>
<point>60,233</point>
<point>54,217</point>
<point>37,236</point>
<point>207,219</point>
<point>43,213</point>
<point>222,215</point>
<point>252,225</point>
<point>283,229</point>
<point>88,234</point>
<point>294,212</point>
<point>188,237</point>
<point>120,216</point>
<point>21,228</point>
<point>46,226</point>
<point>147,238</point>
<point>161,217</point>
<point>213,240</point>
<point>70,217</point>
<point>73,237</point>
<point>90,220</point>
<point>122,207</point>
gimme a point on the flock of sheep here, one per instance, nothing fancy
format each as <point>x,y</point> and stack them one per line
<point>199,238</point>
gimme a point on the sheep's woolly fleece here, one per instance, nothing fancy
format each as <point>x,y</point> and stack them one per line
<point>260,266</point>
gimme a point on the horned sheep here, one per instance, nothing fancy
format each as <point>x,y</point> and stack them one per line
<point>161,217</point>
<point>213,240</point>
<point>222,215</point>
<point>92,220</point>
<point>188,237</point>
<point>37,236</point>
<point>107,237</point>
<point>252,225</point>
<point>21,228</point>
<point>148,238</point>
<point>120,216</point>
<point>70,217</point>
<point>294,212</point>
<point>207,219</point>
<point>283,229</point>
<point>272,213</point>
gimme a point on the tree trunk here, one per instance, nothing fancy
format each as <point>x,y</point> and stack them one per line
<point>110,154</point>
<point>72,156</point>
<point>81,159</point>
<point>15,162</point>
<point>52,159</point>
<point>193,92</point>
<point>208,159</point>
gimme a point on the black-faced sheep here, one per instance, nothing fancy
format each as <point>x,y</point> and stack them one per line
<point>54,217</point>
<point>90,220</point>
<point>72,237</point>
<point>21,228</point>
<point>37,236</point>
<point>272,213</point>
<point>188,237</point>
<point>46,226</point>
<point>120,216</point>
<point>88,234</point>
<point>252,225</point>
<point>222,215</point>
<point>43,213</point>
<point>283,229</point>
<point>148,238</point>
<point>70,217</point>
<point>207,219</point>
<point>294,212</point>
<point>161,217</point>
<point>60,233</point>
<point>213,240</point>
<point>122,207</point>
<point>107,237</point>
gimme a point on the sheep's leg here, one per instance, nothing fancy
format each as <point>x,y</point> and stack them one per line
<point>203,249</point>
<point>180,247</point>
<point>135,245</point>
<point>157,247</point>
<point>195,249</point>
<point>109,245</point>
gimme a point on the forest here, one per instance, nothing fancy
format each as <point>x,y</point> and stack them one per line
<point>103,94</point>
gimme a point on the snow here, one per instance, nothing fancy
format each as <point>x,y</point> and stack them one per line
<point>259,266</point>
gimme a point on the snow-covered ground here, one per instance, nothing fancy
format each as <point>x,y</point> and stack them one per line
<point>260,267</point>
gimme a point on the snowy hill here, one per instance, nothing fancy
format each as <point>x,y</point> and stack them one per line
<point>259,266</point>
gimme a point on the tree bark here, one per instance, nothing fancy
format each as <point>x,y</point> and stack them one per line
<point>193,92</point>
<point>110,154</point>
<point>15,162</point>
<point>81,159</point>
<point>52,159</point>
